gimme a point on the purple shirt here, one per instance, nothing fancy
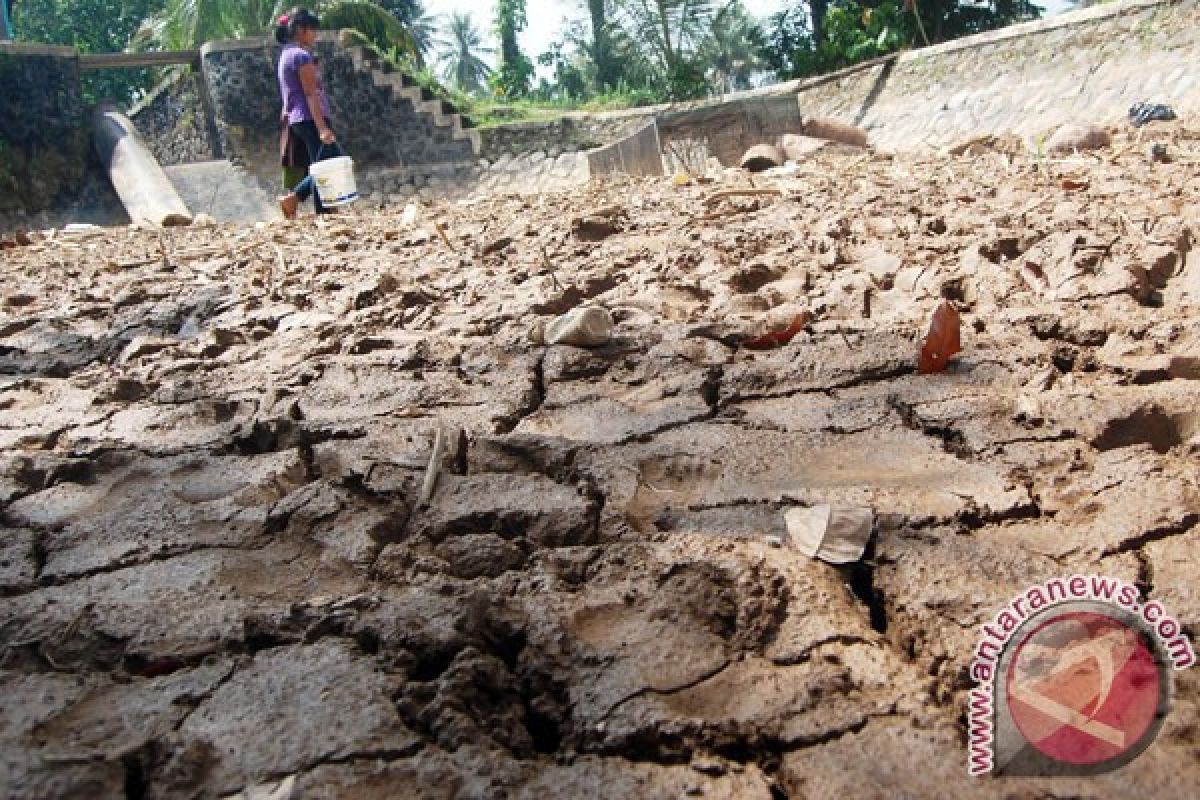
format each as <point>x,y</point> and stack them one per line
<point>294,103</point>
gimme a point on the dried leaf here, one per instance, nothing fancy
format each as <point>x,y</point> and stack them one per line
<point>781,337</point>
<point>942,341</point>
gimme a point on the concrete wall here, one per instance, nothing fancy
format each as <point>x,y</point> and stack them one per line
<point>638,154</point>
<point>1026,79</point>
<point>43,137</point>
<point>176,120</point>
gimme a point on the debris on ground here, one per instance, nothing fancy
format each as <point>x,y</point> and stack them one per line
<point>1141,114</point>
<point>1077,137</point>
<point>216,569</point>
<point>834,130</point>
<point>776,334</point>
<point>942,340</point>
<point>589,326</point>
<point>836,535</point>
<point>762,157</point>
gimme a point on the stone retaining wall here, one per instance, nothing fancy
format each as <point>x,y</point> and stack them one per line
<point>176,120</point>
<point>377,128</point>
<point>568,134</point>
<point>43,126</point>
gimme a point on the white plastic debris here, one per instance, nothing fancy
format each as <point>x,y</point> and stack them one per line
<point>588,326</point>
<point>834,535</point>
<point>408,217</point>
<point>267,791</point>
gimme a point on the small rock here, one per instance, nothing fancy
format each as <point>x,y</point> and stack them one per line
<point>1073,137</point>
<point>594,227</point>
<point>796,147</point>
<point>1158,153</point>
<point>496,245</point>
<point>835,131</point>
<point>145,346</point>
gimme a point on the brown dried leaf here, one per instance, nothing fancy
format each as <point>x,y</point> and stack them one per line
<point>781,337</point>
<point>942,341</point>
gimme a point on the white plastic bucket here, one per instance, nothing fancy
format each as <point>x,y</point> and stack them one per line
<point>334,179</point>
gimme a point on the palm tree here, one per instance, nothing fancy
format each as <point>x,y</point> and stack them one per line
<point>425,31</point>
<point>732,48</point>
<point>187,24</point>
<point>463,66</point>
<point>670,27</point>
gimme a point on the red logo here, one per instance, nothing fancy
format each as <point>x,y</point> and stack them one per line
<point>1085,688</point>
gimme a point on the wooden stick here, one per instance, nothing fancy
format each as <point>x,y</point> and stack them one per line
<point>727,193</point>
<point>442,233</point>
<point>435,464</point>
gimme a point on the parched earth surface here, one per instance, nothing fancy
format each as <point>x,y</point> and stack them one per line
<point>218,574</point>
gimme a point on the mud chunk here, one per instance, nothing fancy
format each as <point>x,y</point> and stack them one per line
<point>18,560</point>
<point>479,555</point>
<point>1077,136</point>
<point>293,707</point>
<point>509,506</point>
<point>598,225</point>
<point>753,277</point>
<point>835,131</point>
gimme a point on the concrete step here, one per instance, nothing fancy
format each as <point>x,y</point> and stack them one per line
<point>402,85</point>
<point>223,191</point>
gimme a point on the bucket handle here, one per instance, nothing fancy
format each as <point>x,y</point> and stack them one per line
<point>333,147</point>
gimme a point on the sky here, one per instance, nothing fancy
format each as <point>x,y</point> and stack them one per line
<point>546,17</point>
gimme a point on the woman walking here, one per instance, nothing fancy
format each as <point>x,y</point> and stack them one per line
<point>305,104</point>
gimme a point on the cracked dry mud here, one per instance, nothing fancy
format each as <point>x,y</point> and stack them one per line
<point>216,571</point>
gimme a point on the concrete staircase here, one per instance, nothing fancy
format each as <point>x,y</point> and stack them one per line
<point>223,191</point>
<point>402,85</point>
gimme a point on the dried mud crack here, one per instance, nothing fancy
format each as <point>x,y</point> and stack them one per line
<point>216,571</point>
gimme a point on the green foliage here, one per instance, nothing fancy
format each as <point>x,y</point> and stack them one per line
<point>731,53</point>
<point>463,65</point>
<point>379,27</point>
<point>516,71</point>
<point>91,26</point>
<point>804,42</point>
<point>188,24</point>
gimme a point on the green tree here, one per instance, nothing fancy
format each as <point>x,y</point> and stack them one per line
<point>378,26</point>
<point>464,66</point>
<point>424,28</point>
<point>732,49</point>
<point>814,37</point>
<point>188,24</point>
<point>516,71</point>
<point>602,50</point>
<point>671,28</point>
<point>92,26</point>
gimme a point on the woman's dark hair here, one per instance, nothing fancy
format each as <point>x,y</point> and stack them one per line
<point>295,20</point>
